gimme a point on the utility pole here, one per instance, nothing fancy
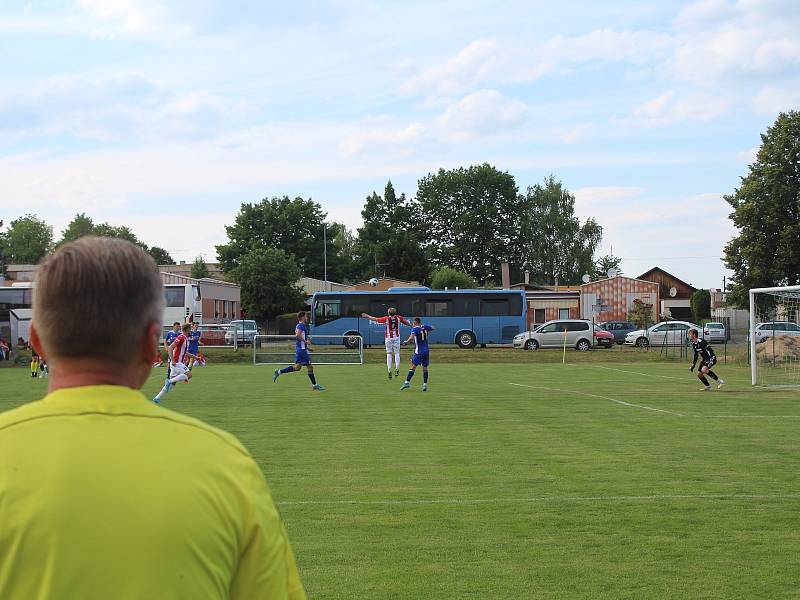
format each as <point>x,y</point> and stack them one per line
<point>325,254</point>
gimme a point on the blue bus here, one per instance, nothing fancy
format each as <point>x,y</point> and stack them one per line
<point>462,317</point>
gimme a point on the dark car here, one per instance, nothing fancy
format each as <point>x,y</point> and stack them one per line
<point>619,329</point>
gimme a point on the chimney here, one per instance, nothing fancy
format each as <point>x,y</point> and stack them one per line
<point>527,277</point>
<point>505,275</point>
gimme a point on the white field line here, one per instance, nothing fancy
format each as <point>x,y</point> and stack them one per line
<point>532,499</point>
<point>748,416</point>
<point>684,379</point>
<point>630,404</point>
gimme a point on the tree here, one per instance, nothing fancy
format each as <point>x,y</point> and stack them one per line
<point>268,279</point>
<point>342,246</point>
<point>641,314</point>
<point>294,226</point>
<point>161,256</point>
<point>118,231</point>
<point>605,263</point>
<point>199,268</point>
<point>445,277</point>
<point>79,227</point>
<point>701,305</point>
<point>391,239</point>
<point>552,242</point>
<point>470,218</point>
<point>27,240</point>
<point>766,211</point>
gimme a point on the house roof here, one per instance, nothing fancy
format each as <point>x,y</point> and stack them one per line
<point>660,270</point>
<point>639,279</point>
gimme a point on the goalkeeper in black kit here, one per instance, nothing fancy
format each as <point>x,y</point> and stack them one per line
<point>707,360</point>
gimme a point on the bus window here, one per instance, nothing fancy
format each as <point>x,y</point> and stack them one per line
<point>196,292</point>
<point>354,306</point>
<point>438,308</point>
<point>174,296</point>
<point>327,311</point>
<point>494,307</point>
<point>465,306</point>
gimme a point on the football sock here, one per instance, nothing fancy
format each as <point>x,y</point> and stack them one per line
<point>704,380</point>
<point>312,378</point>
<point>410,375</point>
<point>397,360</point>
<point>389,362</point>
<point>163,391</point>
<point>177,378</point>
<point>425,376</point>
<point>288,369</point>
<point>713,375</point>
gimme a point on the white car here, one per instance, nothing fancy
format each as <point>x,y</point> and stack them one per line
<point>666,333</point>
<point>715,332</point>
<point>574,333</point>
<point>764,331</point>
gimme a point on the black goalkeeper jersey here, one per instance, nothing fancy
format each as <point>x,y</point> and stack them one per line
<point>703,350</point>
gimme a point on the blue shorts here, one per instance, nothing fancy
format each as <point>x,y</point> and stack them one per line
<point>194,349</point>
<point>423,358</point>
<point>302,357</point>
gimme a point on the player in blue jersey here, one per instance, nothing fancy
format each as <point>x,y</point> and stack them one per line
<point>302,358</point>
<point>421,356</point>
<point>194,345</point>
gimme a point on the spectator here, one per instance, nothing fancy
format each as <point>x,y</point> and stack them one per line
<point>104,494</point>
<point>21,344</point>
<point>4,350</point>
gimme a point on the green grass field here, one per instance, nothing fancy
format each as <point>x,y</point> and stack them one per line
<point>601,479</point>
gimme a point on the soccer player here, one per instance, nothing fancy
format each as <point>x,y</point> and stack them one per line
<point>421,356</point>
<point>168,339</point>
<point>104,494</point>
<point>707,360</point>
<point>301,356</point>
<point>194,345</point>
<point>34,364</point>
<point>178,371</point>
<point>392,334</point>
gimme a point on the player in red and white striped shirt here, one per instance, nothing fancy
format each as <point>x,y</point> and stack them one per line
<point>391,323</point>
<point>178,370</point>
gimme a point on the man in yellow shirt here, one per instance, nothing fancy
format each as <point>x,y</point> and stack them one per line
<point>104,494</point>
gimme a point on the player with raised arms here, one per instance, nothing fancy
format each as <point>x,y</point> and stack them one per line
<point>707,360</point>
<point>302,358</point>
<point>178,371</point>
<point>392,337</point>
<point>421,356</point>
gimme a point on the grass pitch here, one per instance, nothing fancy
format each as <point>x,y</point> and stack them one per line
<point>592,480</point>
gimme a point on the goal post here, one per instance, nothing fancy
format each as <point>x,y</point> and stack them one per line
<point>331,350</point>
<point>774,336</point>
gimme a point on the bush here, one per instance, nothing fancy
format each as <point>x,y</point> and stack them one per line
<point>445,277</point>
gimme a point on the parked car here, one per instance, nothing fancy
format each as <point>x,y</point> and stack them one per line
<point>603,338</point>
<point>764,331</point>
<point>579,335</point>
<point>715,333</point>
<point>244,331</point>
<point>666,333</point>
<point>619,329</point>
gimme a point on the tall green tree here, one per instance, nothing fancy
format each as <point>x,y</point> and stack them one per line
<point>342,247</point>
<point>161,256</point>
<point>27,240</point>
<point>605,263</point>
<point>391,238</point>
<point>701,305</point>
<point>79,227</point>
<point>199,268</point>
<point>766,211</point>
<point>445,277</point>
<point>552,242</point>
<point>268,279</point>
<point>294,226</point>
<point>471,217</point>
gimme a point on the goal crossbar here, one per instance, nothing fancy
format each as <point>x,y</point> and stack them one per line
<point>280,349</point>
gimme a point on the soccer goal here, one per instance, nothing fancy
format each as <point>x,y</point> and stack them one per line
<point>217,336</point>
<point>775,336</point>
<point>329,350</point>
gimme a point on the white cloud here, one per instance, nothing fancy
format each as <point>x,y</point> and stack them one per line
<point>383,135</point>
<point>772,100</point>
<point>668,109</point>
<point>482,113</point>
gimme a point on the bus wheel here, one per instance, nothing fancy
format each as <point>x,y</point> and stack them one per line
<point>466,339</point>
<point>351,341</point>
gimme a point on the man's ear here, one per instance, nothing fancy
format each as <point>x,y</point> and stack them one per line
<point>150,342</point>
<point>36,341</point>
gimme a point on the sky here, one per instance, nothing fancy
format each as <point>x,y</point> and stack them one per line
<point>166,117</point>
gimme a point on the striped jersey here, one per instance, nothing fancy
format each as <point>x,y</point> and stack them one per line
<point>179,351</point>
<point>392,325</point>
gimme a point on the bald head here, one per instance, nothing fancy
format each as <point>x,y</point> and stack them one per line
<point>96,298</point>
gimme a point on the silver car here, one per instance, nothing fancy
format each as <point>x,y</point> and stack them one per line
<point>575,333</point>
<point>715,332</point>
<point>666,333</point>
<point>764,331</point>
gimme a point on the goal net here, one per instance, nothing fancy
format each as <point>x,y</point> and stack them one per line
<point>217,336</point>
<point>775,336</point>
<point>325,350</point>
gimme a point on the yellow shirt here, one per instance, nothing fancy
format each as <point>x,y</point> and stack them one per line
<point>104,495</point>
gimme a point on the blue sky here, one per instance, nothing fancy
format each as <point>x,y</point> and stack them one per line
<point>167,116</point>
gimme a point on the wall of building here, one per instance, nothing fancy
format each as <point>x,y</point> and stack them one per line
<point>618,293</point>
<point>543,310</point>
